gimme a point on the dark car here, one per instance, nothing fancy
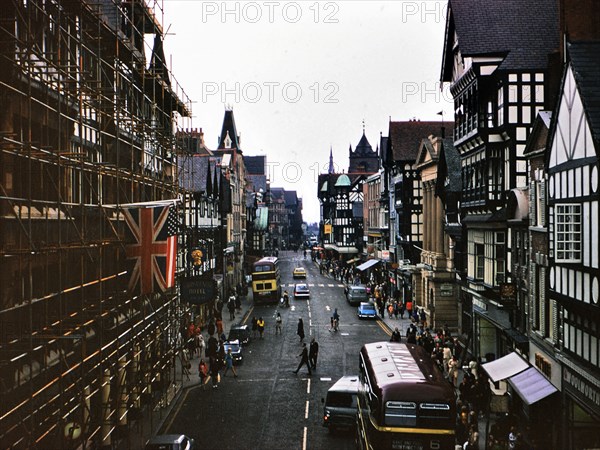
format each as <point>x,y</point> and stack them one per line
<point>236,351</point>
<point>355,294</point>
<point>301,291</point>
<point>170,442</point>
<point>366,311</point>
<point>339,407</point>
<point>239,333</point>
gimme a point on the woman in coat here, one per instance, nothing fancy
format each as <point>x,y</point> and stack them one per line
<point>300,331</point>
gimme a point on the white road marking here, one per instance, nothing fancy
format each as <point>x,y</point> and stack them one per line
<point>304,438</point>
<point>321,285</point>
<point>325,378</point>
<point>345,334</point>
<point>340,285</point>
<point>311,285</point>
<point>308,387</point>
<point>306,410</point>
<point>327,308</point>
<point>330,285</point>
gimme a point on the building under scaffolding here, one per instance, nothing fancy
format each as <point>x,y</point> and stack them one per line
<point>88,118</point>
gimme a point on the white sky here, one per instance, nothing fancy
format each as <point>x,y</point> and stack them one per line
<point>302,76</point>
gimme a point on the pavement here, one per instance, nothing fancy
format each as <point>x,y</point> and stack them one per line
<point>158,421</point>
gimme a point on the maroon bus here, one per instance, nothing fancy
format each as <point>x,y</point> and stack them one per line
<point>404,401</point>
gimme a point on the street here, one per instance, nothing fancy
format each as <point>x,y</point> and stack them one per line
<point>268,406</point>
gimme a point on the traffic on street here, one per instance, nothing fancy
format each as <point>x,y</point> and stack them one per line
<point>268,406</point>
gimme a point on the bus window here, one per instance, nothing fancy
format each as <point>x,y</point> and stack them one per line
<point>401,414</point>
<point>268,286</point>
<point>431,414</point>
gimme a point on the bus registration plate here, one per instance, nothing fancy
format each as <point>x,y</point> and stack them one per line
<point>402,444</point>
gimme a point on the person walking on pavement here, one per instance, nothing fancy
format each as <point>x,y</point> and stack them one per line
<point>214,372</point>
<point>229,364</point>
<point>286,299</point>
<point>231,307</point>
<point>396,337</point>
<point>313,353</point>
<point>260,324</point>
<point>203,373</point>
<point>300,331</point>
<point>278,322</point>
<point>303,359</point>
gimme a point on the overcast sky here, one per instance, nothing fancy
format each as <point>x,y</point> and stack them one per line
<point>302,76</point>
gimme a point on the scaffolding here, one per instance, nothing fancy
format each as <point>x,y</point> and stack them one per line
<point>88,118</point>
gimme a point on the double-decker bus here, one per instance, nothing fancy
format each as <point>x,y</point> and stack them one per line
<point>266,285</point>
<point>404,401</point>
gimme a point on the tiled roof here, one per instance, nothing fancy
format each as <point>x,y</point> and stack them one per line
<point>363,147</point>
<point>526,31</point>
<point>585,57</point>
<point>291,198</point>
<point>258,182</point>
<point>194,170</point>
<point>256,165</point>
<point>405,137</point>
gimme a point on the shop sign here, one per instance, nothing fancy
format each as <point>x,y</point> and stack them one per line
<point>580,388</point>
<point>327,229</point>
<point>385,255</point>
<point>198,290</point>
<point>446,290</point>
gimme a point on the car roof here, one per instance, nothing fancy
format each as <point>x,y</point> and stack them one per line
<point>233,342</point>
<point>367,304</point>
<point>301,284</point>
<point>238,327</point>
<point>359,287</point>
<point>348,383</point>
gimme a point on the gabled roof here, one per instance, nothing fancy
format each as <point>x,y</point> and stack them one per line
<point>230,130</point>
<point>257,182</point>
<point>538,138</point>
<point>405,137</point>
<point>584,58</point>
<point>449,169</point>
<point>197,172</point>
<point>427,153</point>
<point>525,32</point>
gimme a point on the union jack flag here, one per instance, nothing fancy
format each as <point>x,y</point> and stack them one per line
<point>154,249</point>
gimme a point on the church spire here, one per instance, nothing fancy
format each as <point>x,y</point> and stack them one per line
<point>331,168</point>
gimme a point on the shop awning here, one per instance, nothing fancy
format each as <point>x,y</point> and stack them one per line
<point>505,367</point>
<point>532,385</point>
<point>366,265</point>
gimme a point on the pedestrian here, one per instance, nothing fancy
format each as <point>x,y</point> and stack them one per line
<point>313,353</point>
<point>512,438</point>
<point>286,299</point>
<point>396,337</point>
<point>453,371</point>
<point>423,317</point>
<point>260,324</point>
<point>203,373</point>
<point>229,363</point>
<point>254,327</point>
<point>390,309</point>
<point>231,307</point>
<point>303,359</point>
<point>402,310</point>
<point>186,365</point>
<point>214,372</point>
<point>396,309</point>
<point>219,326</point>
<point>278,322</point>
<point>300,331</point>
<point>447,353</point>
<point>201,345</point>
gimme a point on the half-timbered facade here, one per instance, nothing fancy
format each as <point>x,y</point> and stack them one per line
<point>496,61</point>
<point>574,241</point>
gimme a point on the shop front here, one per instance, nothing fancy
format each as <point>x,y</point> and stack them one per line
<point>581,409</point>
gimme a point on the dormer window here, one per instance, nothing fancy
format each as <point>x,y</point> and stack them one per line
<point>227,141</point>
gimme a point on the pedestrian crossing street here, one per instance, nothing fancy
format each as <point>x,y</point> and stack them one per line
<point>313,285</point>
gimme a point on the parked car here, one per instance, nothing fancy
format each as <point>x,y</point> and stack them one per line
<point>366,310</point>
<point>301,291</point>
<point>339,407</point>
<point>355,294</point>
<point>239,333</point>
<point>299,272</point>
<point>236,351</point>
<point>170,442</point>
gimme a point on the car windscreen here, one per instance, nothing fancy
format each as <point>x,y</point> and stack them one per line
<point>359,291</point>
